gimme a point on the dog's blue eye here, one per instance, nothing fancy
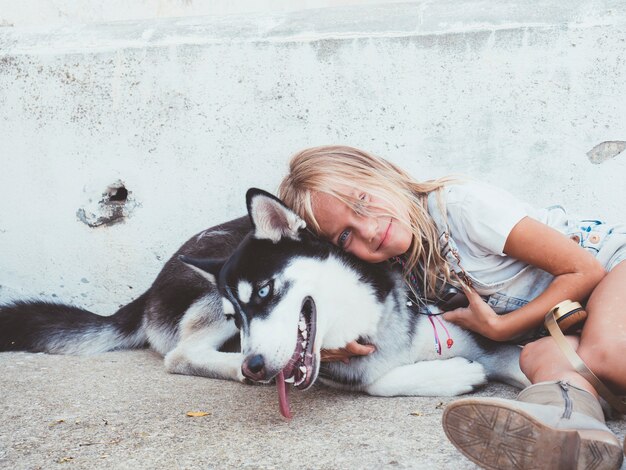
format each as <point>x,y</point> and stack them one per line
<point>264,291</point>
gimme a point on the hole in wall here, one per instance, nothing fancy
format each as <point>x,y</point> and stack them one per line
<point>117,194</point>
<point>115,205</point>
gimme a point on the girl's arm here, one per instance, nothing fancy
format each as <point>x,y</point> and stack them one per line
<point>576,273</point>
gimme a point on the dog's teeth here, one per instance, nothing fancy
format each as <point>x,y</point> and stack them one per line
<point>303,344</point>
<point>304,334</point>
<point>302,326</point>
<point>290,380</point>
<point>302,369</point>
<point>302,354</point>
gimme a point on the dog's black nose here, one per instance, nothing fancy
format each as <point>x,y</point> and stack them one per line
<point>253,367</point>
<point>256,363</point>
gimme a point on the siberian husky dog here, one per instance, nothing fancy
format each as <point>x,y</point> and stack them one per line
<point>256,299</point>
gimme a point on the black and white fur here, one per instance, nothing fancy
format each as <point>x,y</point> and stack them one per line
<point>285,294</point>
<point>281,278</point>
<point>180,316</point>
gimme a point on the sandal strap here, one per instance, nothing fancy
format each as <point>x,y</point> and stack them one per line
<point>619,403</point>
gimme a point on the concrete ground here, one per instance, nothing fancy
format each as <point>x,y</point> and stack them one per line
<point>122,410</point>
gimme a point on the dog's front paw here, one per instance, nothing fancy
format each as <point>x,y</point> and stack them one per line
<point>468,375</point>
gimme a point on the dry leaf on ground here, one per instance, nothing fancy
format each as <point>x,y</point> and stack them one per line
<point>197,414</point>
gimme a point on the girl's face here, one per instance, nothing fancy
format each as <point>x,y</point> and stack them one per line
<point>373,237</point>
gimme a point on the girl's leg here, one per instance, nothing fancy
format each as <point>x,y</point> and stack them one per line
<point>554,423</point>
<point>602,344</point>
<point>603,340</point>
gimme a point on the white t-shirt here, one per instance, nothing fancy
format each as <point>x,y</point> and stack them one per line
<point>480,218</point>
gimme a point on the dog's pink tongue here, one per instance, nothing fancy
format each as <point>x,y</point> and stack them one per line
<point>283,401</point>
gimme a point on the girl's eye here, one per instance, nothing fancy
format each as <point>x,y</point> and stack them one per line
<point>264,291</point>
<point>343,238</point>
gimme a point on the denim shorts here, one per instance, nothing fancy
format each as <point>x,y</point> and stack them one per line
<point>605,241</point>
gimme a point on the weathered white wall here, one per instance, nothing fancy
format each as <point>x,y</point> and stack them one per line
<point>189,113</point>
<point>67,12</point>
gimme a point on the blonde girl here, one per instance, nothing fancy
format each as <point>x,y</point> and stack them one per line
<point>514,262</point>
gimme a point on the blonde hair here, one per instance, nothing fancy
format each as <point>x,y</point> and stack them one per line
<point>326,168</point>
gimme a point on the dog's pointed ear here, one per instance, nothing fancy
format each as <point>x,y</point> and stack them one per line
<point>207,267</point>
<point>271,218</point>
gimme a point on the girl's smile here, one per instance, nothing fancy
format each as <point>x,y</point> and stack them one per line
<point>373,236</point>
<point>386,235</point>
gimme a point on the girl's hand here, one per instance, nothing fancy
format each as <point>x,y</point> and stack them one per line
<point>477,316</point>
<point>344,354</point>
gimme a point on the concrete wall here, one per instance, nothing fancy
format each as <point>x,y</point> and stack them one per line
<point>188,113</point>
<point>66,12</point>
